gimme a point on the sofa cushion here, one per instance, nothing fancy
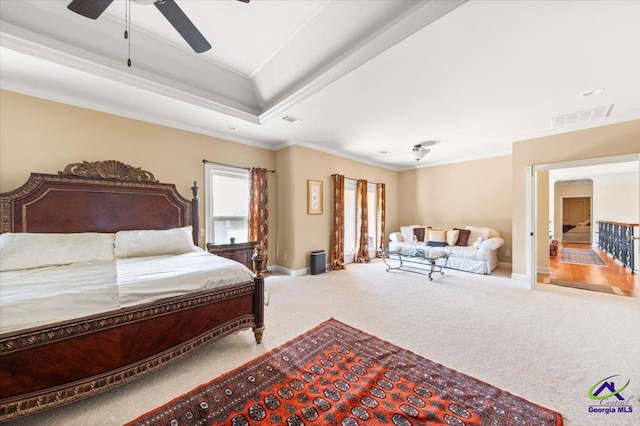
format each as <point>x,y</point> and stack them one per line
<point>419,232</point>
<point>484,231</point>
<point>465,252</point>
<point>463,237</point>
<point>477,234</point>
<point>452,236</point>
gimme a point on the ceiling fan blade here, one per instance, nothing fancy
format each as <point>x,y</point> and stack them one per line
<point>183,25</point>
<point>245,1</point>
<point>89,8</point>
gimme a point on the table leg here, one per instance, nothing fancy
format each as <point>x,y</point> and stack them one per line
<point>433,267</point>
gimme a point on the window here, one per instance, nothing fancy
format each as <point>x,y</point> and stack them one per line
<point>350,219</point>
<point>372,204</point>
<point>227,204</point>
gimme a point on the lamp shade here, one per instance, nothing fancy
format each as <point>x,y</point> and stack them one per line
<point>419,152</point>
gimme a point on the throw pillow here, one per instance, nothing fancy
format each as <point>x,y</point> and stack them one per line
<point>438,235</point>
<point>436,243</point>
<point>463,237</point>
<point>477,232</point>
<point>407,232</point>
<point>452,236</point>
<point>419,233</point>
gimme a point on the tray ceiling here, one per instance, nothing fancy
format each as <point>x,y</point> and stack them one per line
<point>363,77</point>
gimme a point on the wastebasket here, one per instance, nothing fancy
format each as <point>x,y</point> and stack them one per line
<point>318,262</point>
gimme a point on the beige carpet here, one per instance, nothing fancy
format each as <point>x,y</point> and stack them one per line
<point>548,346</point>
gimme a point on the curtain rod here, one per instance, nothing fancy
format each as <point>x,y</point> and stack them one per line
<point>204,160</point>
<point>346,177</point>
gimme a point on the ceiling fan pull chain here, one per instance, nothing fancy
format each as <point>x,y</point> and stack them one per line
<point>127,30</point>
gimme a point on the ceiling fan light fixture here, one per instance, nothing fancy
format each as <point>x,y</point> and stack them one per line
<point>419,152</point>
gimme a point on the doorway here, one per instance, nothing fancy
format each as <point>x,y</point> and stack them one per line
<point>575,211</point>
<point>554,215</point>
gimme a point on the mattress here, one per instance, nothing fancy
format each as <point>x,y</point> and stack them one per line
<point>34,297</point>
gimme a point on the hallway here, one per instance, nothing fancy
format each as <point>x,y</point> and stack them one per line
<point>623,282</point>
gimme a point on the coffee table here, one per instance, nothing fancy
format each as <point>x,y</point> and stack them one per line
<point>417,261</point>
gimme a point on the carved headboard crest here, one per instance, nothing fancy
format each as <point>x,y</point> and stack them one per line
<point>108,169</point>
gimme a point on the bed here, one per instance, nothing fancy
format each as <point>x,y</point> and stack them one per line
<point>124,330</point>
<point>580,233</point>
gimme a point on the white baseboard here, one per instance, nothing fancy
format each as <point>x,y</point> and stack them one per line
<point>290,272</point>
<point>544,270</point>
<point>521,277</point>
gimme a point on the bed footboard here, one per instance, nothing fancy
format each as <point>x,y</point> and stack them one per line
<point>65,362</point>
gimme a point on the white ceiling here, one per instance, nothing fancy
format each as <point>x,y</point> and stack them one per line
<point>362,76</point>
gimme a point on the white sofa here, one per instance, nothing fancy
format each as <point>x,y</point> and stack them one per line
<point>478,254</point>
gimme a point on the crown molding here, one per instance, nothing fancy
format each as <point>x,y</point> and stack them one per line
<point>27,42</point>
<point>412,20</point>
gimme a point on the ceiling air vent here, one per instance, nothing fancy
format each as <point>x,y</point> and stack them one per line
<point>582,116</point>
<point>290,118</point>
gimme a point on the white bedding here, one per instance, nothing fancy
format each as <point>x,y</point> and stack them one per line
<point>32,297</point>
<point>145,279</point>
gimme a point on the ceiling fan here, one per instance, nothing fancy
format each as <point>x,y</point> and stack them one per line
<point>93,9</point>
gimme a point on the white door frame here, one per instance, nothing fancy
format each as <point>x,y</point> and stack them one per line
<point>532,194</point>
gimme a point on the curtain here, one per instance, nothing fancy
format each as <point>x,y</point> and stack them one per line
<point>337,229</point>
<point>259,210</point>
<point>362,223</point>
<point>381,213</point>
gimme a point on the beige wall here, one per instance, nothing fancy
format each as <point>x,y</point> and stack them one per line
<point>474,193</point>
<point>604,141</point>
<point>42,136</point>
<point>313,232</point>
<point>616,199</point>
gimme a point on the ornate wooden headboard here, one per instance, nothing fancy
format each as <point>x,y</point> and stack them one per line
<point>101,196</point>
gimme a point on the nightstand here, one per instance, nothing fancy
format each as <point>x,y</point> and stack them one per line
<point>240,252</point>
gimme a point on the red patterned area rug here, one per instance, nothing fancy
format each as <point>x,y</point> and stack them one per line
<point>337,375</point>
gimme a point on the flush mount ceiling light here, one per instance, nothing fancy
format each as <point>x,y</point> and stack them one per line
<point>290,118</point>
<point>593,92</point>
<point>419,152</point>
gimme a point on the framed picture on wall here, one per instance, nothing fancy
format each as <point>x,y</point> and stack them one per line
<point>314,197</point>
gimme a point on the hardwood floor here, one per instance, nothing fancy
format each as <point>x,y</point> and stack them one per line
<point>614,275</point>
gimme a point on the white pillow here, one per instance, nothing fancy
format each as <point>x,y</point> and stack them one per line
<point>153,242</point>
<point>439,235</point>
<point>478,232</point>
<point>25,250</point>
<point>407,232</point>
<point>452,236</point>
